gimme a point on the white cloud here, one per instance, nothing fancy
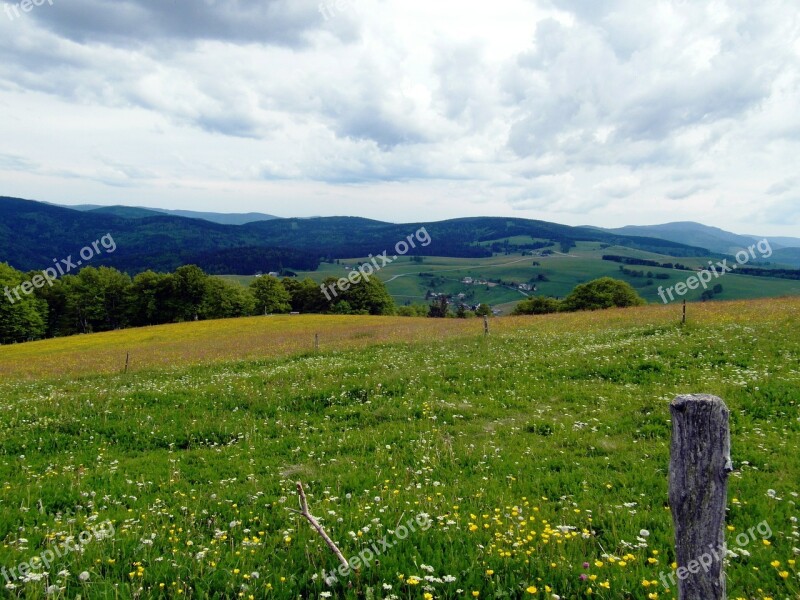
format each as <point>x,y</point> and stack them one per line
<point>605,113</point>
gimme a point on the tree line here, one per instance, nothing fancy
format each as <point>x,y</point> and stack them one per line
<point>104,299</point>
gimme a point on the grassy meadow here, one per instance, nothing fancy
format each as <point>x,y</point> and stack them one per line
<point>536,457</point>
<point>408,281</point>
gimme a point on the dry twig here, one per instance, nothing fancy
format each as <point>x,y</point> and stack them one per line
<point>315,524</point>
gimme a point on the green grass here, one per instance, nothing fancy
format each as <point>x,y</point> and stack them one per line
<point>563,273</point>
<point>533,451</point>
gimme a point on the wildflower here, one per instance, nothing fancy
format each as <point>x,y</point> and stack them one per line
<point>531,589</point>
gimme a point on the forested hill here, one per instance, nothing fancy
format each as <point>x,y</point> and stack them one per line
<point>32,234</point>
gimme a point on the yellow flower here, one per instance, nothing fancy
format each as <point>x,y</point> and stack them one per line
<point>531,589</point>
<point>489,572</point>
<point>776,563</point>
<point>783,574</point>
<point>475,594</point>
<point>427,596</point>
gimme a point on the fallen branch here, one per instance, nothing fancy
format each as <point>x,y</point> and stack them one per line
<point>315,524</point>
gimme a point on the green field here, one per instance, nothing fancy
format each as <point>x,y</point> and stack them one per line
<point>531,460</point>
<point>562,272</point>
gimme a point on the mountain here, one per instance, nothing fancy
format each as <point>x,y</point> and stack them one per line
<point>786,250</point>
<point>787,256</point>
<point>784,242</point>
<point>693,234</point>
<point>33,233</point>
<point>135,212</point>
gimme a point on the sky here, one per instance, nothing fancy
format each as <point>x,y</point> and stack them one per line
<point>583,112</point>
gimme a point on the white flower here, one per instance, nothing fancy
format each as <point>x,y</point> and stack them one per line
<point>387,586</point>
<point>644,533</point>
<point>84,576</point>
<point>324,594</point>
<point>254,575</point>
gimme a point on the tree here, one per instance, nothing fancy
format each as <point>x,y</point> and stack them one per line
<point>188,291</point>
<point>307,296</point>
<point>602,293</point>
<point>270,295</point>
<point>369,296</point>
<point>223,300</point>
<point>439,308</point>
<point>24,318</point>
<point>414,310</point>
<point>114,287</point>
<point>147,299</point>
<point>484,310</point>
<point>85,309</point>
<point>537,305</point>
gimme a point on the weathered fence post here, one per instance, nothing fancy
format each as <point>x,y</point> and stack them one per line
<point>698,490</point>
<point>684,312</point>
<point>316,342</point>
<point>485,325</point>
<point>127,358</point>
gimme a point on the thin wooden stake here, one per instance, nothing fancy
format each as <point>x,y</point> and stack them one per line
<point>485,325</point>
<point>684,312</point>
<point>127,357</point>
<point>316,342</point>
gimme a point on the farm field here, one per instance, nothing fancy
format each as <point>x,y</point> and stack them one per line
<point>562,272</point>
<point>531,463</point>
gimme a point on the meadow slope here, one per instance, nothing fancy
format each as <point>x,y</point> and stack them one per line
<point>533,462</point>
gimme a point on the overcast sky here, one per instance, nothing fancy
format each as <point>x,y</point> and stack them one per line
<point>602,112</point>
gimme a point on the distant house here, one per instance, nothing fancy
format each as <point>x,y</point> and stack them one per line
<point>467,280</point>
<point>274,274</point>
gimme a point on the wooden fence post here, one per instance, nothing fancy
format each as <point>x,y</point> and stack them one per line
<point>485,325</point>
<point>684,312</point>
<point>698,490</point>
<point>127,358</point>
<point>316,342</point>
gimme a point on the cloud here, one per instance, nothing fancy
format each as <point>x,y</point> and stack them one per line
<point>172,22</point>
<point>590,111</point>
